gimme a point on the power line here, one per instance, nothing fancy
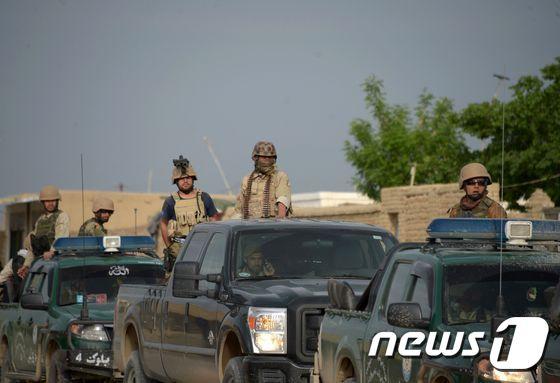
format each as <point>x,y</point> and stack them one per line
<point>533,181</point>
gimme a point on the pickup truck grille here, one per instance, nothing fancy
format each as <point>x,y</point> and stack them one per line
<point>310,325</point>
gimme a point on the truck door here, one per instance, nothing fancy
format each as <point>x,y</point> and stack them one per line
<point>30,323</point>
<point>174,342</point>
<point>402,286</point>
<point>203,325</point>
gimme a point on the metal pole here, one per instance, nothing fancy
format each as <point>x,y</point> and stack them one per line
<point>218,165</point>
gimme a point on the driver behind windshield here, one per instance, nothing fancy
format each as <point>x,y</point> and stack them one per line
<point>254,265</point>
<point>469,307</point>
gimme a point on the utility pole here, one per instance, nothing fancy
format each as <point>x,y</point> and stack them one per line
<point>150,177</point>
<point>412,174</point>
<point>218,165</point>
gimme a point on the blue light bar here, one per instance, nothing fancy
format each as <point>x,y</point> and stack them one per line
<point>128,243</point>
<point>489,229</point>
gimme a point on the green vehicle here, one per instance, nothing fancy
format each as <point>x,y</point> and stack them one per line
<point>464,279</point>
<point>59,326</point>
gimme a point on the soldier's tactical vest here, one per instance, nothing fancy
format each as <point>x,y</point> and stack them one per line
<point>46,225</point>
<point>259,200</point>
<point>189,212</point>
<point>480,211</point>
<point>92,228</point>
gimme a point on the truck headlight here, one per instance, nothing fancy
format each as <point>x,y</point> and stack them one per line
<point>487,371</point>
<point>268,330</point>
<point>94,332</point>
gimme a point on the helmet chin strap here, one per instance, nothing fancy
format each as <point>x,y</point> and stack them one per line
<point>264,169</point>
<point>187,191</point>
<point>475,197</point>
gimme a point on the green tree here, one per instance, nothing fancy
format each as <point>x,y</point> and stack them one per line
<point>532,135</point>
<point>383,155</point>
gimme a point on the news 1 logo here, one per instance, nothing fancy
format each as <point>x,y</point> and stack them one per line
<point>525,350</point>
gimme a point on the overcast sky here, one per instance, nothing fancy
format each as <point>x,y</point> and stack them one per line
<point>132,84</point>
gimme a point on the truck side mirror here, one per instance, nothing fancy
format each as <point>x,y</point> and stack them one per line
<point>185,279</point>
<point>341,295</point>
<point>33,301</point>
<point>406,314</point>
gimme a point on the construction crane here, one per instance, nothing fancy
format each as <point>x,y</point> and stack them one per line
<point>218,165</point>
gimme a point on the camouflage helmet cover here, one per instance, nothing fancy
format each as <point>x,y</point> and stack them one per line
<point>103,203</point>
<point>265,149</point>
<point>473,170</point>
<point>179,172</point>
<point>49,193</point>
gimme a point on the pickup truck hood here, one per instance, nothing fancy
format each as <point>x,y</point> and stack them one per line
<point>103,312</point>
<point>283,292</point>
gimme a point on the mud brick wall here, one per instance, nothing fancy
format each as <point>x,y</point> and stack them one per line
<point>371,214</point>
<point>411,208</point>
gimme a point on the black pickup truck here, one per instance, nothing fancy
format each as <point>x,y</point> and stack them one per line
<point>244,301</point>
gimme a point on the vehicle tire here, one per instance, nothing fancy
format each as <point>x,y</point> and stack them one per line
<point>6,365</point>
<point>234,371</point>
<point>56,368</point>
<point>134,373</point>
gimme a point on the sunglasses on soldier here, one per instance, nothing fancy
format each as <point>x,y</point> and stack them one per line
<point>477,181</point>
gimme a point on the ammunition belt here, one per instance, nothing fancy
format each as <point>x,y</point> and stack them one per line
<point>266,196</point>
<point>248,196</point>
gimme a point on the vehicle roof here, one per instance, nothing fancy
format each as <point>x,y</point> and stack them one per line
<point>67,261</point>
<point>480,254</point>
<point>283,223</point>
<point>455,256</point>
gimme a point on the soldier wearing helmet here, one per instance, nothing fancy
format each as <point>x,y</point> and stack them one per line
<point>266,191</point>
<point>102,209</point>
<point>52,224</point>
<point>474,179</point>
<point>184,209</point>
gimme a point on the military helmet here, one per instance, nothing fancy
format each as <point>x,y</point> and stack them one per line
<point>179,172</point>
<point>473,170</point>
<point>49,193</point>
<point>103,203</point>
<point>265,149</point>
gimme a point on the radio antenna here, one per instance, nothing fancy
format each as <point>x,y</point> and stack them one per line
<point>500,303</point>
<point>84,314</point>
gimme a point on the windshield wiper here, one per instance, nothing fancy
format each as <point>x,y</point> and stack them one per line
<point>467,322</point>
<point>263,277</point>
<point>348,276</point>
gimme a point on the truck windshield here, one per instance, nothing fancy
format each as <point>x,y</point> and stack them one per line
<point>470,291</point>
<point>102,281</point>
<point>309,253</point>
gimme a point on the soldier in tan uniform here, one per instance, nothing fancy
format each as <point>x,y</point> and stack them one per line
<point>266,192</point>
<point>184,209</point>
<point>474,179</point>
<point>52,224</point>
<point>102,208</point>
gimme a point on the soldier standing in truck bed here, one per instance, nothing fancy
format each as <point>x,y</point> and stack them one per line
<point>184,209</point>
<point>52,224</point>
<point>474,180</point>
<point>102,209</point>
<point>266,191</point>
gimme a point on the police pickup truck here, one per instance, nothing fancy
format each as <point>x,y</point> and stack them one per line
<point>469,277</point>
<point>244,301</point>
<point>60,326</point>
